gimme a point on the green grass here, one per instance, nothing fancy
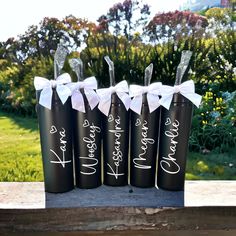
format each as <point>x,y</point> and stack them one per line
<point>20,157</point>
<point>212,166</point>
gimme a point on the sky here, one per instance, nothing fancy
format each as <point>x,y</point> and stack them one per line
<point>17,15</point>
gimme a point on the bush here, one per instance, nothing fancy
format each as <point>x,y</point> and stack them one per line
<point>214,124</point>
<point>161,41</point>
<point>16,85</point>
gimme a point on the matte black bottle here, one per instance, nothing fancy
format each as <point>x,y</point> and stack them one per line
<point>116,144</point>
<point>144,140</point>
<point>173,147</point>
<point>87,146</point>
<point>55,128</point>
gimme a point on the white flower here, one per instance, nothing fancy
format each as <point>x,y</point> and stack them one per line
<point>234,71</point>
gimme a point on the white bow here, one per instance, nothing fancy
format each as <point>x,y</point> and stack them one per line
<point>77,99</point>
<point>187,89</point>
<point>153,92</point>
<point>46,86</point>
<point>121,89</point>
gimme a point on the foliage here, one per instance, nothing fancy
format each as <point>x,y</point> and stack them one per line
<point>9,75</point>
<point>166,58</point>
<point>219,14</point>
<point>175,25</point>
<point>220,19</point>
<point>41,41</point>
<point>133,40</point>
<point>116,35</point>
<point>216,69</point>
<point>125,18</point>
<point>214,124</point>
<point>16,84</point>
<point>130,58</point>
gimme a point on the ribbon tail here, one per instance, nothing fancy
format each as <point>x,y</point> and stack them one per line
<point>165,101</point>
<point>136,104</point>
<point>105,100</point>
<point>77,102</point>
<point>63,93</point>
<point>194,98</point>
<point>104,106</point>
<point>125,98</point>
<point>92,97</point>
<point>153,102</point>
<point>46,97</point>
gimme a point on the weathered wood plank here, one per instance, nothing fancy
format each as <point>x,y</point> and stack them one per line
<point>130,233</point>
<point>117,218</point>
<point>125,208</point>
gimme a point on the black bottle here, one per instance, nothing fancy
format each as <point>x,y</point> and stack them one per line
<point>173,147</point>
<point>87,146</point>
<point>55,128</point>
<point>174,134</point>
<point>87,131</point>
<point>116,143</point>
<point>144,136</point>
<point>144,140</point>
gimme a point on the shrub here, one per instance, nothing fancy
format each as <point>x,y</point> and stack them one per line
<point>16,85</point>
<point>214,124</point>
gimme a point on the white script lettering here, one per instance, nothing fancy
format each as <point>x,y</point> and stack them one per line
<point>145,141</point>
<point>169,163</point>
<point>117,153</point>
<point>92,147</point>
<point>63,142</point>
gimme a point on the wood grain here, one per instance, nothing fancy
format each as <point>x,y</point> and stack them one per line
<point>123,208</point>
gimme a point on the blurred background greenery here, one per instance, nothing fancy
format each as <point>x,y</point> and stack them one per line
<point>132,40</point>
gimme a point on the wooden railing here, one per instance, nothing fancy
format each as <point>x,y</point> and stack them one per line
<point>204,205</point>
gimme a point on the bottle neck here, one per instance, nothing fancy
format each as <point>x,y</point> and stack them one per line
<point>115,99</point>
<point>179,98</point>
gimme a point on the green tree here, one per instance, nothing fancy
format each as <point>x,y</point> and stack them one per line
<point>118,36</point>
<point>172,26</point>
